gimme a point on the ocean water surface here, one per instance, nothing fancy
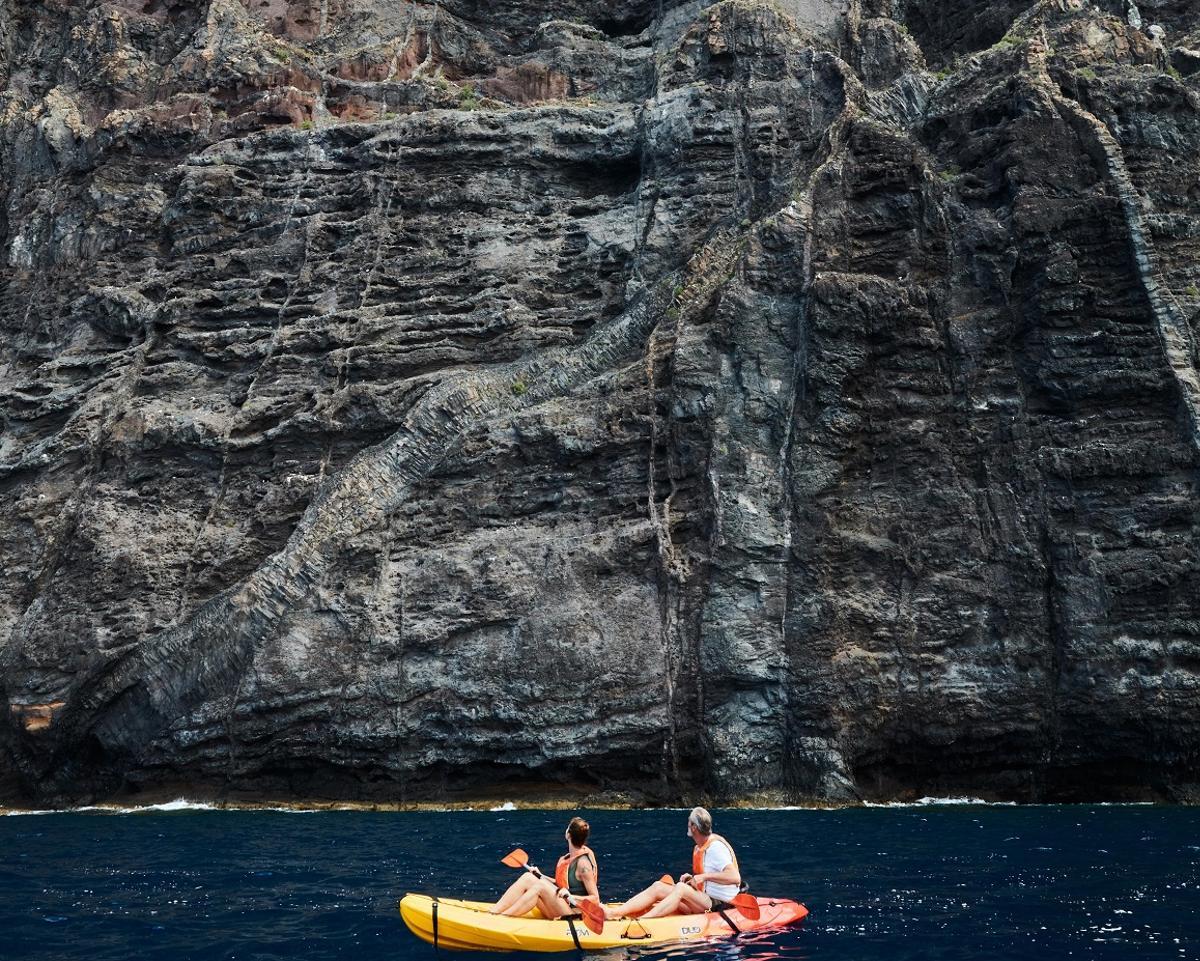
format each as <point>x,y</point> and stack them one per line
<point>883,884</point>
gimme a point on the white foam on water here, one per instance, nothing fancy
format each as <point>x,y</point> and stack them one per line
<point>939,801</point>
<point>179,804</point>
<point>79,810</point>
<point>182,804</point>
<point>925,802</point>
<point>771,807</point>
<point>1116,804</point>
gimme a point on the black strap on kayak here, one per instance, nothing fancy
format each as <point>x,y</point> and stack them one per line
<point>728,919</point>
<point>435,924</point>
<point>574,934</point>
<point>635,937</point>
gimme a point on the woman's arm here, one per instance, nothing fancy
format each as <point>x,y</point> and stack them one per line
<point>586,873</point>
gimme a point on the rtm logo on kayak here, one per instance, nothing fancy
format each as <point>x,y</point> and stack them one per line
<point>690,929</point>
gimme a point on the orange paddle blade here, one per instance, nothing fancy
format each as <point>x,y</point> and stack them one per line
<point>593,915</point>
<point>747,905</point>
<point>667,879</point>
<point>515,859</point>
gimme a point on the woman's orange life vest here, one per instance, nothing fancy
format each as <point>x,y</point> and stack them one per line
<point>564,872</point>
<point>698,854</point>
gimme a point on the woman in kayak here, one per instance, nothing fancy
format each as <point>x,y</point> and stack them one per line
<point>575,874</point>
<point>713,882</point>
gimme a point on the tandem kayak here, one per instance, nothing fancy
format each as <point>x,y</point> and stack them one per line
<point>468,926</point>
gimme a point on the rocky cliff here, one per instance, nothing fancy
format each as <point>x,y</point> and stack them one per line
<point>640,399</point>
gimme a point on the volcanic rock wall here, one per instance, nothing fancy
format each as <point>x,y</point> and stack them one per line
<point>639,399</point>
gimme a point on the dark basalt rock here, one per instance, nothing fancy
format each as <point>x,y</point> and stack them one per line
<point>645,400</point>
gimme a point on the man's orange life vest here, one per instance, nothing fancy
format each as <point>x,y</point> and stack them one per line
<point>698,854</point>
<point>564,872</point>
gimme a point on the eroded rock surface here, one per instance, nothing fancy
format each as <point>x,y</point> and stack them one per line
<point>634,399</point>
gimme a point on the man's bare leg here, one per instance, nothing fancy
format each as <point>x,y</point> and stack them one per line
<point>683,899</point>
<point>640,901</point>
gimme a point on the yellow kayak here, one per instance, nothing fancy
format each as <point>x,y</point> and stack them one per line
<point>468,926</point>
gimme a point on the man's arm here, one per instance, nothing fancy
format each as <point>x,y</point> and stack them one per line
<point>728,874</point>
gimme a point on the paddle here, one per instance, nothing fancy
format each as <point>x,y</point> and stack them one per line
<point>593,914</point>
<point>519,859</point>
<point>747,905</point>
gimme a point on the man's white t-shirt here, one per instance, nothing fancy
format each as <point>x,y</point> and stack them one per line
<point>717,857</point>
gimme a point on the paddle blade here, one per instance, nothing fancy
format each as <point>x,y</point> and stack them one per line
<point>667,879</point>
<point>593,915</point>
<point>747,905</point>
<point>515,859</point>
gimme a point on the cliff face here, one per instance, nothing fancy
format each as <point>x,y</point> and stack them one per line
<point>794,398</point>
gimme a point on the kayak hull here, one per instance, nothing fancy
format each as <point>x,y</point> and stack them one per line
<point>467,926</point>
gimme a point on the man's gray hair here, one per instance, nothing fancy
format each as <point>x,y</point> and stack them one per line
<point>701,820</point>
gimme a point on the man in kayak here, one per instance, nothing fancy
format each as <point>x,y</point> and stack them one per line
<point>576,874</point>
<point>714,880</point>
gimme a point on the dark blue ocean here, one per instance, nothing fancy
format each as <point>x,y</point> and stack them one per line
<point>883,884</point>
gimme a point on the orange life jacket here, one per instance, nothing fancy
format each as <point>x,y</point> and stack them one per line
<point>698,854</point>
<point>563,872</point>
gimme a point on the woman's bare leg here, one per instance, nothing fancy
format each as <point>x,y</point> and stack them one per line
<point>551,905</point>
<point>539,893</point>
<point>641,901</point>
<point>524,904</point>
<point>513,894</point>
<point>683,899</point>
